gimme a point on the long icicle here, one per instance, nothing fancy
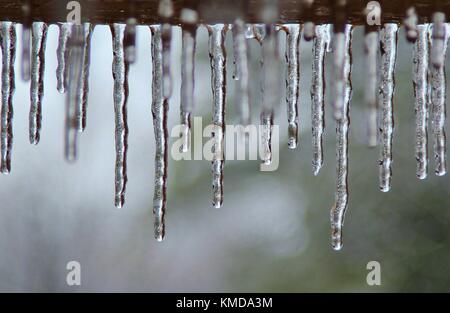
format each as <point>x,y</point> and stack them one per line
<point>337,214</point>
<point>72,71</point>
<point>8,45</point>
<point>62,56</point>
<point>439,40</point>
<point>420,84</point>
<point>120,74</point>
<point>388,47</point>
<point>84,85</point>
<point>321,45</point>
<point>292,81</point>
<point>241,75</point>
<point>270,89</point>
<point>39,38</point>
<point>217,55</point>
<point>371,53</point>
<point>160,107</point>
<point>189,30</point>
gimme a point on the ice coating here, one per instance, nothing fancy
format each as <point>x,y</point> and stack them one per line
<point>388,48</point>
<point>339,208</point>
<point>8,46</point>
<point>120,74</point>
<point>62,56</point>
<point>39,38</point>
<point>438,50</point>
<point>421,96</point>
<point>292,81</point>
<point>218,56</point>
<point>160,107</point>
<point>321,45</point>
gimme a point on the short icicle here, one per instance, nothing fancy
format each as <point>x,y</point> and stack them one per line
<point>39,38</point>
<point>342,128</point>
<point>8,46</point>
<point>120,74</point>
<point>73,73</point>
<point>160,107</point>
<point>217,55</point>
<point>87,30</point>
<point>292,81</point>
<point>438,50</point>
<point>189,30</point>
<point>388,47</point>
<point>321,44</point>
<point>371,43</point>
<point>62,56</point>
<point>241,75</point>
<point>420,84</point>
<point>270,89</point>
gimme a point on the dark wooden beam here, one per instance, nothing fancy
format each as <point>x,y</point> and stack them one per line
<point>210,11</point>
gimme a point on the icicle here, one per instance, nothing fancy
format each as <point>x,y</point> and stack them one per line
<point>320,47</point>
<point>388,42</point>
<point>160,107</point>
<point>189,29</point>
<point>129,40</point>
<point>62,55</point>
<point>241,72</point>
<point>439,40</point>
<point>84,84</point>
<point>371,53</point>
<point>39,38</point>
<point>292,81</point>
<point>120,74</point>
<point>420,83</point>
<point>74,57</point>
<point>270,89</point>
<point>8,45</point>
<point>26,35</point>
<point>342,128</point>
<point>217,55</point>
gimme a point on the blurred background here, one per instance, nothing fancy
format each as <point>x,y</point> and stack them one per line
<point>273,232</point>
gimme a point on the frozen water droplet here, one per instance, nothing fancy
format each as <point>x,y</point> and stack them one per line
<point>241,72</point>
<point>321,43</point>
<point>120,74</point>
<point>292,81</point>
<point>217,53</point>
<point>160,107</point>
<point>187,82</point>
<point>371,53</point>
<point>8,46</point>
<point>420,83</point>
<point>342,128</point>
<point>39,38</point>
<point>62,56</point>
<point>438,50</point>
<point>388,47</point>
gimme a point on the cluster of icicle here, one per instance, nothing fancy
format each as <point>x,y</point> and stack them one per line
<point>430,42</point>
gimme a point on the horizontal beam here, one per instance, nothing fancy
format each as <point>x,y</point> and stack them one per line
<point>210,11</point>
